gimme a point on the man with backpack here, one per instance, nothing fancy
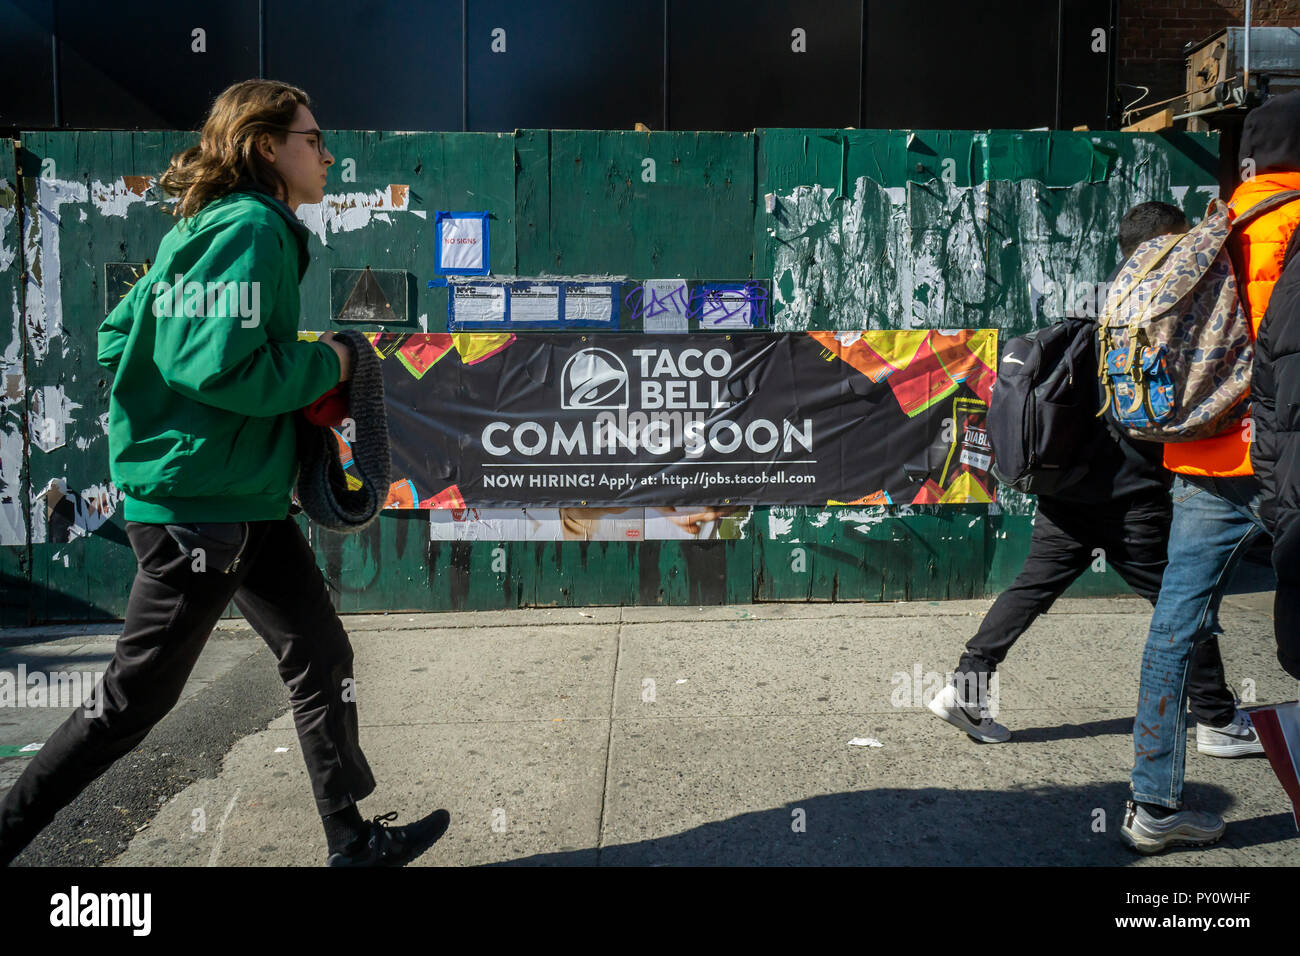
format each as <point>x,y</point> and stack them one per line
<point>1216,494</point>
<point>1114,503</point>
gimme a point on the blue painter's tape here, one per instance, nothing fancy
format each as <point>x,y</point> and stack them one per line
<point>470,325</point>
<point>532,307</point>
<point>730,305</point>
<point>439,221</point>
<point>590,304</point>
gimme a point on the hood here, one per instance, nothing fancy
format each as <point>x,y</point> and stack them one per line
<point>296,226</point>
<point>1271,135</point>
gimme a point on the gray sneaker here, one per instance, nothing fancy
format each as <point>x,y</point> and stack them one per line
<point>974,719</point>
<point>1148,834</point>
<point>1236,739</point>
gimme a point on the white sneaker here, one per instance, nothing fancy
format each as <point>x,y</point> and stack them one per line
<point>1148,834</point>
<point>1237,739</point>
<point>974,720</point>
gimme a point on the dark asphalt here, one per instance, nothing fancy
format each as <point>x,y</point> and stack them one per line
<point>188,744</point>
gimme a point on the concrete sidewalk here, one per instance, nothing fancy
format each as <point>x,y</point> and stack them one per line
<point>716,736</point>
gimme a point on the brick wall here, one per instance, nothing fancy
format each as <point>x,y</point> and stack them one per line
<point>1152,34</point>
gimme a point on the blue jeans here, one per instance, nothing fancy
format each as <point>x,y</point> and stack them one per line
<point>1214,521</point>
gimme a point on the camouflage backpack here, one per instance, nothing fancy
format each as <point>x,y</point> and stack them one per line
<point>1174,338</point>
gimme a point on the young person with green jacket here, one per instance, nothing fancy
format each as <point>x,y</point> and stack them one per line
<point>208,373</point>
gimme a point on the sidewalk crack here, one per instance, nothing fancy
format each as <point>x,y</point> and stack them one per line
<point>609,738</point>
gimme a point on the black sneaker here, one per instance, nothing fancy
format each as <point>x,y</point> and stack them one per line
<point>395,846</point>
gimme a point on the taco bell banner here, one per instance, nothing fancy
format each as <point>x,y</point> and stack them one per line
<point>486,419</point>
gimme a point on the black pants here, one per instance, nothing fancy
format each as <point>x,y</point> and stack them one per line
<point>170,613</point>
<point>1133,535</point>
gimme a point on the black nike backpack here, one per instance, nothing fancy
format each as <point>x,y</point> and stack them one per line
<point>1042,414</point>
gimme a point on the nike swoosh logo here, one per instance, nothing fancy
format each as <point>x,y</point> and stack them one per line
<point>1012,358</point>
<point>1246,736</point>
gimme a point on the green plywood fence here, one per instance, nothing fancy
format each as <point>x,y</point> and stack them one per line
<point>866,229</point>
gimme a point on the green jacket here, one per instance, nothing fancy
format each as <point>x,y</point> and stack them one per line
<point>206,376</point>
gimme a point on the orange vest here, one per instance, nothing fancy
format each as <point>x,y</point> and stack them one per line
<point>1259,249</point>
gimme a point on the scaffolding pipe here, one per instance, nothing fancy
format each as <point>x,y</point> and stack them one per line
<point>1245,70</point>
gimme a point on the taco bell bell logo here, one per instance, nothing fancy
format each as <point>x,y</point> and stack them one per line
<point>594,378</point>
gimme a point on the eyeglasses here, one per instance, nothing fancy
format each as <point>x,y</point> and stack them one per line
<point>320,138</point>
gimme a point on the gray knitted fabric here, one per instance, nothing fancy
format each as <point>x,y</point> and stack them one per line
<point>322,486</point>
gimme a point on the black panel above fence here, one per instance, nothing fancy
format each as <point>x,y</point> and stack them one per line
<point>152,64</point>
<point>500,65</point>
<point>747,64</point>
<point>565,64</point>
<point>962,64</point>
<point>1086,55</point>
<point>380,66</point>
<point>26,63</point>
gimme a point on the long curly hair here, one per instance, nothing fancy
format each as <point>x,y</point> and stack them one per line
<point>226,157</point>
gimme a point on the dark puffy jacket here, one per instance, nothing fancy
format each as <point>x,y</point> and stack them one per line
<point>1275,450</point>
<point>1271,139</point>
<point>1275,403</point>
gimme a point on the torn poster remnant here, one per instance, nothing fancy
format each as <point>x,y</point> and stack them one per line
<point>71,514</point>
<point>51,415</point>
<point>115,198</point>
<point>998,254</point>
<point>345,212</point>
<point>44,312</point>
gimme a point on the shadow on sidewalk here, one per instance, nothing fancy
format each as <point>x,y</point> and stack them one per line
<point>1049,825</point>
<point>1091,728</point>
